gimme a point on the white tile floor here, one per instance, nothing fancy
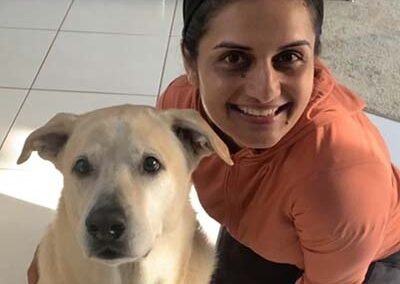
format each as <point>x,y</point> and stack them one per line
<point>77,55</point>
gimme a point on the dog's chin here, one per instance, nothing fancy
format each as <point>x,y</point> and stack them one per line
<point>112,262</point>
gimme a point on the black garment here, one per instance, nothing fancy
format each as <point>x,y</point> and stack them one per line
<point>385,271</point>
<point>238,264</point>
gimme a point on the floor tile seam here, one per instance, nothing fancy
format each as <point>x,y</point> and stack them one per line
<point>167,50</point>
<point>91,92</point>
<point>34,79</point>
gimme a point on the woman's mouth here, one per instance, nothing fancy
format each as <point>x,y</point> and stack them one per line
<point>263,114</point>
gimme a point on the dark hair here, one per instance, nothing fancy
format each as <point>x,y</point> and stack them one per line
<point>198,13</point>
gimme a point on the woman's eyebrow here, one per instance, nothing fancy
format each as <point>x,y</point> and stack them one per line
<point>232,45</point>
<point>227,44</point>
<point>295,44</point>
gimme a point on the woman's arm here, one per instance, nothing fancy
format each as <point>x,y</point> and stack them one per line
<point>340,217</point>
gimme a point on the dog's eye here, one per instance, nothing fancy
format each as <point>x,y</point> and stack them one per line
<point>82,167</point>
<point>151,165</point>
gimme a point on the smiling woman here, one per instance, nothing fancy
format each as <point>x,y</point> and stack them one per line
<point>255,75</point>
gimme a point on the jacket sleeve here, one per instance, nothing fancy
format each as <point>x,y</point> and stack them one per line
<point>340,217</point>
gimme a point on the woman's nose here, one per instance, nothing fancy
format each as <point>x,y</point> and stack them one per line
<point>266,83</point>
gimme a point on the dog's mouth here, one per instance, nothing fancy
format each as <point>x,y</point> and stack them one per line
<point>109,254</point>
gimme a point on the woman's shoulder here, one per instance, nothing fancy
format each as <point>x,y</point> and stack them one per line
<point>341,130</point>
<point>345,141</point>
<point>179,94</point>
<point>340,145</point>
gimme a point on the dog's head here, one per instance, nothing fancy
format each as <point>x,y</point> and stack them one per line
<point>127,173</point>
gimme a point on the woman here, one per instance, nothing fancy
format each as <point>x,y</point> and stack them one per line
<point>312,197</point>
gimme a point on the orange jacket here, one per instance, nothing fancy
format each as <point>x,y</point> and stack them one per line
<point>325,198</point>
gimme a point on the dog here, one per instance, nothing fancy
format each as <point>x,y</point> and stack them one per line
<point>124,214</point>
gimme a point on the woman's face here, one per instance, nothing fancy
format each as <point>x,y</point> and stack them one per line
<point>255,69</point>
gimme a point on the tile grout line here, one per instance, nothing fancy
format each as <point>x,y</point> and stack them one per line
<point>79,31</point>
<point>51,45</point>
<point>93,92</point>
<point>14,88</point>
<point>111,33</point>
<point>79,91</point>
<point>35,78</point>
<point>27,29</point>
<point>167,49</point>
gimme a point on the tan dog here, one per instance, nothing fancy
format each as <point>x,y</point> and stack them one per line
<point>124,215</point>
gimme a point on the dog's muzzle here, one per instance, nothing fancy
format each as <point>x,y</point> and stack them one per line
<point>106,231</point>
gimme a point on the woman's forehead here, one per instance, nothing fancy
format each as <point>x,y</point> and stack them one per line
<point>280,21</point>
<point>273,10</point>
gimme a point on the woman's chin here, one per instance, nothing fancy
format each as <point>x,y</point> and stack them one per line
<point>257,143</point>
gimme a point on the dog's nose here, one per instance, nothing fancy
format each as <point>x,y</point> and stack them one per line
<point>106,224</point>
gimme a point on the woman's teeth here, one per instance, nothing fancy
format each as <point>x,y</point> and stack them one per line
<point>257,111</point>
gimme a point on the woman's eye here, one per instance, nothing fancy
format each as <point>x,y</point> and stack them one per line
<point>82,167</point>
<point>288,57</point>
<point>151,165</point>
<point>232,59</point>
<point>235,60</point>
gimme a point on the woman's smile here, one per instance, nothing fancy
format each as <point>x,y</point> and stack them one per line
<point>266,116</point>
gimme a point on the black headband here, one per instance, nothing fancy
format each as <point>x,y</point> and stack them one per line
<point>189,9</point>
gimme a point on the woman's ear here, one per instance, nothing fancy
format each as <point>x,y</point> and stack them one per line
<point>190,67</point>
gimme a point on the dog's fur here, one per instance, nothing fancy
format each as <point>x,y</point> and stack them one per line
<point>162,242</point>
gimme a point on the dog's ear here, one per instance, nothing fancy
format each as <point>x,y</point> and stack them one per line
<point>49,139</point>
<point>197,137</point>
